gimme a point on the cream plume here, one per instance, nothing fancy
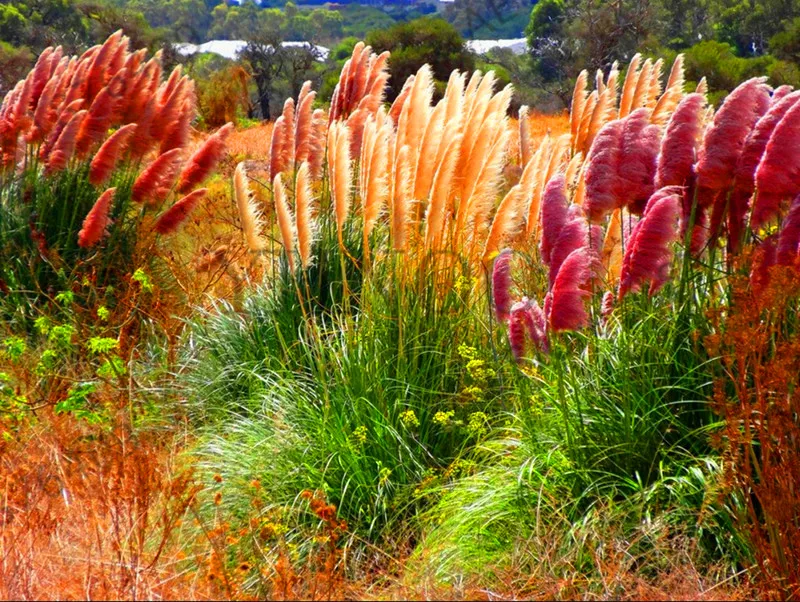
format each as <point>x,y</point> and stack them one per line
<point>440,191</point>
<point>303,215</point>
<point>285,221</point>
<point>629,87</point>
<point>249,215</point>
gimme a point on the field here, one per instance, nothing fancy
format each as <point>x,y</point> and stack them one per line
<point>420,349</point>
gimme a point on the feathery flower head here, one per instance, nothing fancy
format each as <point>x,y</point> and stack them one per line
<point>649,252</point>
<point>566,308</point>
<point>501,285</point>
<point>778,172</point>
<point>679,145</point>
<point>95,225</point>
<point>725,139</point>
<point>173,217</point>
<point>204,160</point>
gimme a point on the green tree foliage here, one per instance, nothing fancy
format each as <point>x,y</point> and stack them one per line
<point>247,21</point>
<point>488,18</point>
<point>425,40</point>
<point>725,40</point>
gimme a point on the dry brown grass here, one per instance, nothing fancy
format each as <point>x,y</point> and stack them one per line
<point>95,515</point>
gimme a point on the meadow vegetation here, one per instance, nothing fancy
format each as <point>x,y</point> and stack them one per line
<point>391,350</point>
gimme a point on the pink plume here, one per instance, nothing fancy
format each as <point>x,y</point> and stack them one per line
<point>574,235</point>
<point>527,321</point>
<point>204,160</point>
<point>173,217</point>
<point>779,92</point>
<point>679,145</point>
<point>649,255</point>
<point>501,285</point>
<point>789,237</point>
<point>95,226</point>
<point>757,141</point>
<point>106,158</point>
<point>640,145</point>
<point>554,214</point>
<point>724,140</point>
<point>778,173</point>
<point>607,305</point>
<point>536,324</point>
<point>622,165</point>
<point>155,182</point>
<point>567,304</point>
<point>601,173</point>
<point>516,328</point>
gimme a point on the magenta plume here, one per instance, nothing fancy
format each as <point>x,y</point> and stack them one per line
<point>536,325</point>
<point>106,158</point>
<point>173,217</point>
<point>679,145</point>
<point>516,328</point>
<point>757,141</point>
<point>573,235</point>
<point>95,226</point>
<point>501,285</point>
<point>725,139</point>
<point>64,147</point>
<point>789,236</point>
<point>649,251</point>
<point>621,165</point>
<point>778,173</point>
<point>155,182</point>
<point>566,305</point>
<point>526,321</point>
<point>204,160</point>
<point>601,171</point>
<point>637,168</point>
<point>554,214</point>
<point>97,122</point>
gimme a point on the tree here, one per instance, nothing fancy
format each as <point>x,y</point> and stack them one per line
<point>569,35</point>
<point>425,40</point>
<point>547,40</point>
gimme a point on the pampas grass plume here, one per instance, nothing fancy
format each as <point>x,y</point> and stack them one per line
<point>173,217</point>
<point>566,306</point>
<point>285,221</point>
<point>649,252</point>
<point>65,145</point>
<point>96,223</point>
<point>303,214</point>
<point>106,158</point>
<point>501,285</point>
<point>154,183</point>
<point>249,214</point>
<point>204,160</point>
<point>678,146</point>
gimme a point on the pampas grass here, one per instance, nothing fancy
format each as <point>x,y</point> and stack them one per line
<point>285,221</point>
<point>95,225</point>
<point>204,160</point>
<point>175,216</point>
<point>249,214</point>
<point>304,214</point>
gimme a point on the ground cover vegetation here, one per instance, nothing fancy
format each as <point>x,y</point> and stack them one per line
<point>398,346</point>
